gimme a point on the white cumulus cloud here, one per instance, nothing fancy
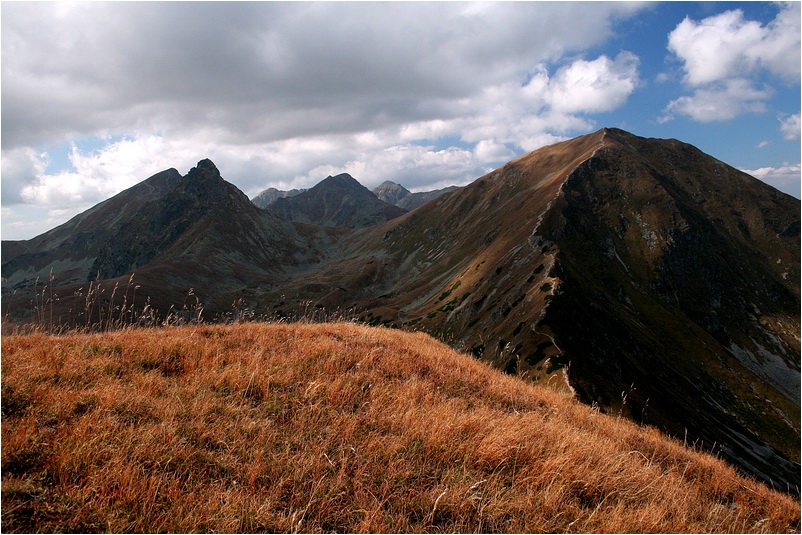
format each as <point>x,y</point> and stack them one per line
<point>721,101</point>
<point>20,166</point>
<point>727,45</point>
<point>279,94</point>
<point>722,56</point>
<point>599,85</point>
<point>97,175</point>
<point>789,126</point>
<point>501,118</point>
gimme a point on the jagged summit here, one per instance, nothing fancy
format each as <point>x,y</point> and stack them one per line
<point>200,198</point>
<point>205,172</point>
<point>206,165</point>
<point>204,185</point>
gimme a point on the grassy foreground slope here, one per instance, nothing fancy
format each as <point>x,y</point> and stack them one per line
<point>332,427</point>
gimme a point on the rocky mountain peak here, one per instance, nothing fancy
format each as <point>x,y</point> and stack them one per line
<point>204,184</point>
<point>205,169</point>
<point>391,192</point>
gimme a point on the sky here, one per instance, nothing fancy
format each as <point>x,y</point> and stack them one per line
<point>98,96</point>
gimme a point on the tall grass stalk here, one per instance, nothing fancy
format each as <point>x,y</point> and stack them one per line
<point>102,315</point>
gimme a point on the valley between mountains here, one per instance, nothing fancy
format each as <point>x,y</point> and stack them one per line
<point>649,278</point>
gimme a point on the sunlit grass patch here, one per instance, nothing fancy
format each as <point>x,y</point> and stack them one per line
<point>332,427</point>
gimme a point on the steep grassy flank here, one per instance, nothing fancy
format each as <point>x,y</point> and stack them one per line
<point>332,427</point>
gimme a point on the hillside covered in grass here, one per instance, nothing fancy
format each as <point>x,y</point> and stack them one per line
<point>333,427</point>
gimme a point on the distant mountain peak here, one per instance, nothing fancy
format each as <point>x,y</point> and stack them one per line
<point>337,201</point>
<point>270,195</point>
<point>391,192</point>
<point>394,193</point>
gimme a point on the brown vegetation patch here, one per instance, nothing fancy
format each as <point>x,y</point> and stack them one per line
<point>332,427</point>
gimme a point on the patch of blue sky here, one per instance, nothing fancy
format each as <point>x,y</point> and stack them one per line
<point>743,141</point>
<point>448,142</point>
<point>58,155</point>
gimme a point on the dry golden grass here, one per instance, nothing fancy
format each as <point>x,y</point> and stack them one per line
<point>332,427</point>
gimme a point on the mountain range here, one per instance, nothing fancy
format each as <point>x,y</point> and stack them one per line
<point>388,192</point>
<point>400,196</point>
<point>647,277</point>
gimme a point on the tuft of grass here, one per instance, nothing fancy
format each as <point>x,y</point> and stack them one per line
<point>332,427</point>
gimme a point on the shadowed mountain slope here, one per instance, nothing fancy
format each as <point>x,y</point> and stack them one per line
<point>679,298</point>
<point>194,223</point>
<point>70,250</point>
<point>656,280</point>
<point>650,278</point>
